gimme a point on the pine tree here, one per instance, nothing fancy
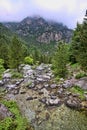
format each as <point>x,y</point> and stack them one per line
<point>79,45</point>
<point>16,53</point>
<point>60,60</point>
<point>4,52</point>
<point>82,57</point>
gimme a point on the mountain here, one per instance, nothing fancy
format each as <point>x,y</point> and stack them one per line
<point>38,30</point>
<point>4,30</point>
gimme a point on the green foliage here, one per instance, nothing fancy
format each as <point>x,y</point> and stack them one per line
<point>4,51</point>
<point>79,91</point>
<point>16,53</point>
<point>28,60</point>
<point>79,45</point>
<point>80,75</point>
<point>17,122</point>
<point>2,69</point>
<point>60,60</point>
<point>1,61</point>
<point>16,75</point>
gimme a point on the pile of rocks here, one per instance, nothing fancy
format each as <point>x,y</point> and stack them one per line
<point>41,81</point>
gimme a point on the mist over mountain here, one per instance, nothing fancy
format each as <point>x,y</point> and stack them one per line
<point>37,29</point>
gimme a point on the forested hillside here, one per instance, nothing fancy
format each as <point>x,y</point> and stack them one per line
<point>41,33</point>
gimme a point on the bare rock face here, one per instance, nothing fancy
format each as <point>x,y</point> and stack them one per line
<point>42,30</point>
<point>47,37</point>
<point>4,112</point>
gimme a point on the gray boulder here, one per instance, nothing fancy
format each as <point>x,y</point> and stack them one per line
<point>53,102</point>
<point>1,83</point>
<point>73,103</point>
<point>53,86</point>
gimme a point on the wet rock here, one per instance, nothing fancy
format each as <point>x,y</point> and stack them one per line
<point>29,98</point>
<point>47,116</point>
<point>40,79</point>
<point>53,86</point>
<point>15,92</point>
<point>45,92</point>
<point>60,91</point>
<point>53,97</point>
<point>10,86</point>
<point>23,91</point>
<point>82,82</point>
<point>26,67</point>
<point>1,83</point>
<point>32,85</point>
<point>84,104</point>
<point>73,103</point>
<point>19,81</point>
<point>53,102</point>
<point>7,75</point>
<point>67,84</point>
<point>46,77</point>
<point>46,85</point>
<point>40,92</point>
<point>40,67</point>
<point>85,96</point>
<point>43,100</point>
<point>61,79</point>
<point>75,95</point>
<point>29,72</point>
<point>39,86</point>
<point>4,112</point>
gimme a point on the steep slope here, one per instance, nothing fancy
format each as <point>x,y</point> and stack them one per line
<point>37,29</point>
<point>4,30</point>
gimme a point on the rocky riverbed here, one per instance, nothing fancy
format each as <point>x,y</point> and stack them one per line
<point>45,103</point>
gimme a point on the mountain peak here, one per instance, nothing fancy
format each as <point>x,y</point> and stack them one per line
<point>42,31</point>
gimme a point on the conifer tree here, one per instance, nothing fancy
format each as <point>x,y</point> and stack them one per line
<point>79,45</point>
<point>60,60</point>
<point>16,53</point>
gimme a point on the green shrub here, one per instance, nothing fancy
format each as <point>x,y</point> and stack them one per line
<point>80,75</point>
<point>28,60</point>
<point>2,69</point>
<point>16,123</point>
<point>16,75</point>
<point>79,91</point>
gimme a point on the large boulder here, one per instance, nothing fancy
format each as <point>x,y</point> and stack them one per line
<point>82,82</point>
<point>67,84</point>
<point>73,103</point>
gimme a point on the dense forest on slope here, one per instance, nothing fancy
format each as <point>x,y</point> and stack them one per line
<point>31,28</point>
<point>41,33</point>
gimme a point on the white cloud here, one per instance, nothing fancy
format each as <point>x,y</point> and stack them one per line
<point>66,11</point>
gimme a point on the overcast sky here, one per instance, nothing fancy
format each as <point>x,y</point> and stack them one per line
<point>66,11</point>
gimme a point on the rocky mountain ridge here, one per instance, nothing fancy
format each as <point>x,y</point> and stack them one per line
<point>43,31</point>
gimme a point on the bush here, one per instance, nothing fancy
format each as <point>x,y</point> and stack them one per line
<point>28,60</point>
<point>79,91</point>
<point>16,123</point>
<point>16,75</point>
<point>2,69</point>
<point>80,75</point>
